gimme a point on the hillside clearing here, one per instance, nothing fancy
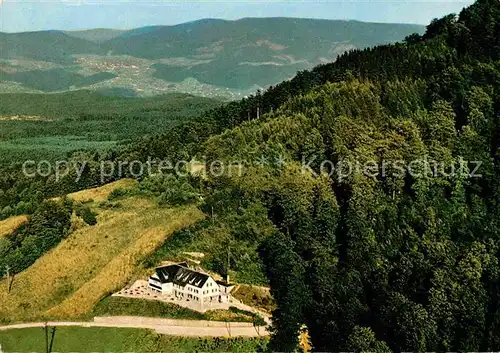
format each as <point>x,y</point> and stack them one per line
<point>93,261</point>
<point>122,267</point>
<point>11,224</point>
<point>102,193</point>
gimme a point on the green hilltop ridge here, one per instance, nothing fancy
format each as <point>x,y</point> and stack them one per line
<point>238,56</point>
<point>97,35</point>
<point>50,46</point>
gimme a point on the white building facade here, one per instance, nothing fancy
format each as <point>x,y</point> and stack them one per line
<point>187,284</point>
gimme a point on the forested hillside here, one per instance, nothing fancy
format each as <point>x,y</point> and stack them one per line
<point>373,260</point>
<point>252,51</point>
<point>399,254</point>
<point>208,57</point>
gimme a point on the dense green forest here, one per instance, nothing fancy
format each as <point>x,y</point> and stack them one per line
<point>85,105</point>
<point>378,259</point>
<point>55,79</point>
<point>49,127</point>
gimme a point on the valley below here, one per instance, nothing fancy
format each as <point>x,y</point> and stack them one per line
<point>209,58</point>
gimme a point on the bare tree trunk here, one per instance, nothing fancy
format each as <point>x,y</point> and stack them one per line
<point>11,282</point>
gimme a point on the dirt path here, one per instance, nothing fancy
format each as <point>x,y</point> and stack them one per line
<point>162,326</point>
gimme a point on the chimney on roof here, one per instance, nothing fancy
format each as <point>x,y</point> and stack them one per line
<point>228,263</point>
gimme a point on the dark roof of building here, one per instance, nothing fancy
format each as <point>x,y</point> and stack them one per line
<point>181,276</point>
<point>225,284</point>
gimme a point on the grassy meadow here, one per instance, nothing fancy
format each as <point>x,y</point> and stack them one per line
<point>8,225</point>
<point>78,339</point>
<point>93,261</point>
<point>256,296</point>
<point>97,195</point>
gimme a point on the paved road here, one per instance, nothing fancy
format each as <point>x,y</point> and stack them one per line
<point>162,326</point>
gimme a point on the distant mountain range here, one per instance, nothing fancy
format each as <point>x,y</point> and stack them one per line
<point>206,57</point>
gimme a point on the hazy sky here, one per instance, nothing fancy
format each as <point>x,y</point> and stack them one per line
<point>30,15</point>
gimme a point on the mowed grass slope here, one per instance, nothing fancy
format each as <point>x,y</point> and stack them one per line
<point>9,225</point>
<point>102,193</point>
<point>93,261</point>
